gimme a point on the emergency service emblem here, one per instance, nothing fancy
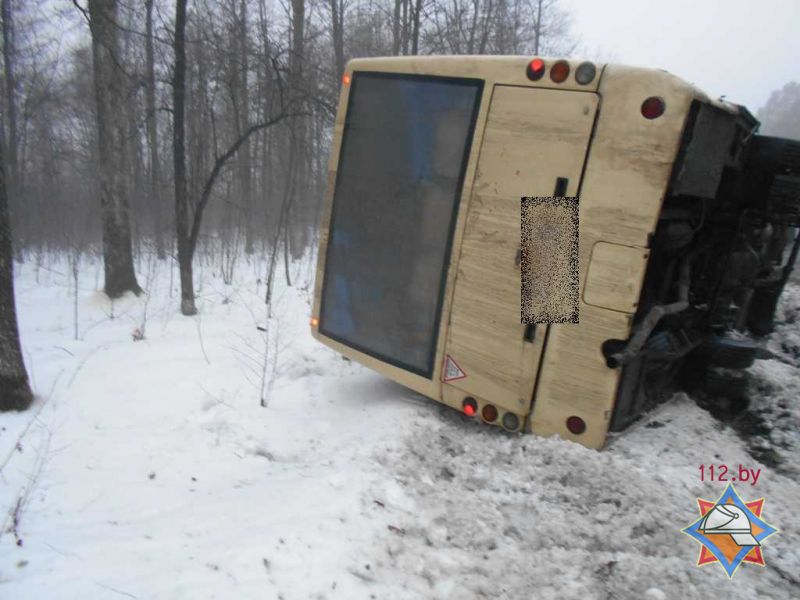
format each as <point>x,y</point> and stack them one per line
<point>451,370</point>
<point>730,531</point>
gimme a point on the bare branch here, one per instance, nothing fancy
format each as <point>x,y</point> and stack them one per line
<point>219,163</point>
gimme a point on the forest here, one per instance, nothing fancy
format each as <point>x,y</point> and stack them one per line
<point>202,128</point>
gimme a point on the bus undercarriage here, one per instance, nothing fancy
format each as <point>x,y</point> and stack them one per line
<point>726,242</point>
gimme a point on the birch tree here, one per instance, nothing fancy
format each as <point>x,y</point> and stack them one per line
<point>152,132</point>
<point>112,133</point>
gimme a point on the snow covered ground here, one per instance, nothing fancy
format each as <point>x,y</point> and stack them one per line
<point>148,469</point>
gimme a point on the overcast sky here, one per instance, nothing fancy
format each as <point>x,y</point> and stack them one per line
<point>743,49</point>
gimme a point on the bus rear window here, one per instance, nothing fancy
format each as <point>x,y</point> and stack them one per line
<point>401,168</point>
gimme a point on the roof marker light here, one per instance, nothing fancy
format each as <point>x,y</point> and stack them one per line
<point>585,73</point>
<point>535,69</point>
<point>346,79</point>
<point>559,71</point>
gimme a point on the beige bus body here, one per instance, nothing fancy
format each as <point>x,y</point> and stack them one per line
<point>616,161</point>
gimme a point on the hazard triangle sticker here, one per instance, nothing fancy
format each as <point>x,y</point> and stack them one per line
<point>451,370</point>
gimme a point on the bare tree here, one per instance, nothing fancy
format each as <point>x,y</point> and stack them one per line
<point>182,226</point>
<point>396,30</point>
<point>550,29</point>
<point>296,131</point>
<point>152,131</point>
<point>189,211</point>
<point>112,134</point>
<point>15,392</point>
<point>12,177</point>
<point>337,35</point>
<point>237,66</point>
<point>243,110</point>
<point>496,27</point>
<point>415,26</point>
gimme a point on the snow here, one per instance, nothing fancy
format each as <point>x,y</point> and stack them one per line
<point>149,469</point>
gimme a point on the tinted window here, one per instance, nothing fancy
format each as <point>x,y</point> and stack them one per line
<point>401,167</point>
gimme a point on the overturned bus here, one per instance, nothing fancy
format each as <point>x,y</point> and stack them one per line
<point>688,225</point>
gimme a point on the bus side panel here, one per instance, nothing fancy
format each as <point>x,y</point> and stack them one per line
<point>627,174</point>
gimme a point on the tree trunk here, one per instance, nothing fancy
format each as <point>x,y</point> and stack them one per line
<point>297,124</point>
<point>298,33</point>
<point>111,129</point>
<point>152,133</point>
<point>502,28</point>
<point>12,175</point>
<point>188,229</point>
<point>337,29</point>
<point>487,26</point>
<point>415,30</point>
<point>133,151</point>
<point>15,392</point>
<point>244,157</point>
<point>179,157</point>
<point>537,28</point>
<point>396,28</point>
<point>405,35</point>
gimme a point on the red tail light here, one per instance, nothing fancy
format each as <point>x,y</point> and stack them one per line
<point>576,425</point>
<point>653,107</point>
<point>470,407</point>
<point>535,69</point>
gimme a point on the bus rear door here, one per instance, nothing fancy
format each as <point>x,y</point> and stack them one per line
<point>535,144</point>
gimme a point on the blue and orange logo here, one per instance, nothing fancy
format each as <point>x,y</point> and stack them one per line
<point>730,531</point>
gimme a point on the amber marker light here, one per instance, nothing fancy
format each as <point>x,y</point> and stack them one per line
<point>489,413</point>
<point>346,79</point>
<point>559,71</point>
<point>314,322</point>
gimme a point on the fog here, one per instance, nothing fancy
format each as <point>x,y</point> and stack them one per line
<point>737,48</point>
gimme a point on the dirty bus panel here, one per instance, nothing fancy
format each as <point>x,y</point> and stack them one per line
<point>401,169</point>
<point>533,139</point>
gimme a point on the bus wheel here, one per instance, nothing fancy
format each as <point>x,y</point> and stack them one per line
<point>731,354</point>
<point>724,392</point>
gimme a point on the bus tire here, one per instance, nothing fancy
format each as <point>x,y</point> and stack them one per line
<point>731,354</point>
<point>725,391</point>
